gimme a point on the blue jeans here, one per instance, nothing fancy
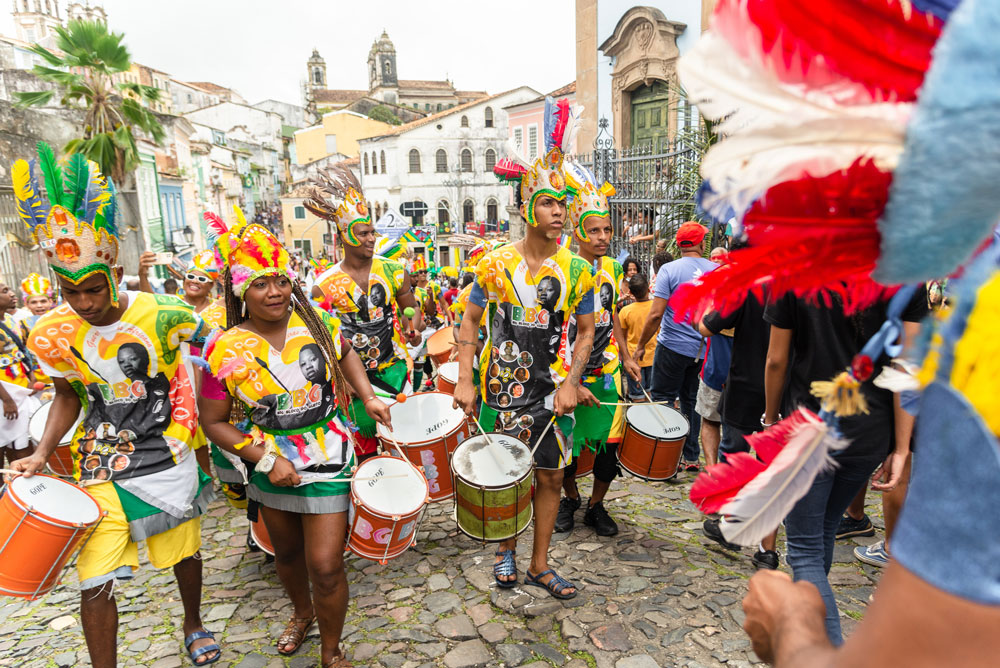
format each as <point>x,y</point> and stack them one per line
<point>811,527</point>
<point>675,376</point>
<point>635,389</point>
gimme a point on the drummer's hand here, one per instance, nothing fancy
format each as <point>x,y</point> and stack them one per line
<point>465,396</point>
<point>9,408</point>
<point>283,474</point>
<point>638,355</point>
<point>414,337</point>
<point>378,411</point>
<point>632,369</point>
<point>565,399</point>
<point>586,397</point>
<point>28,465</point>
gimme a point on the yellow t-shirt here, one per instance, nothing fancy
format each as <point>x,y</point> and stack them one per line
<point>367,315</point>
<point>633,318</point>
<point>137,393</point>
<point>528,337</point>
<point>289,394</point>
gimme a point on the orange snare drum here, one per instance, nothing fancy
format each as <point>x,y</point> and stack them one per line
<point>388,497</point>
<point>428,430</point>
<point>447,377</point>
<point>259,534</point>
<point>61,461</point>
<point>585,462</point>
<point>42,520</point>
<point>440,344</point>
<point>653,441</point>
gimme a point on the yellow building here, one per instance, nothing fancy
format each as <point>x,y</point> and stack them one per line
<point>339,132</point>
<point>303,230</point>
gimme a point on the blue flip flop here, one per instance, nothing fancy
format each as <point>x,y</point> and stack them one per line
<point>505,568</point>
<point>555,586</point>
<point>201,651</point>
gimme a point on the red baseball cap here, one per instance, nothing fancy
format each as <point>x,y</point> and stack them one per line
<point>690,234</point>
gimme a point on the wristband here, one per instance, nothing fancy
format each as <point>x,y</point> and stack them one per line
<point>765,425</point>
<point>364,402</point>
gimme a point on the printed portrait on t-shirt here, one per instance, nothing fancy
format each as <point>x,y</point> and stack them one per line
<point>304,393</point>
<point>549,291</point>
<point>607,297</point>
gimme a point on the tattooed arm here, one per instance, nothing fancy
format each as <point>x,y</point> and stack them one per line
<point>565,399</point>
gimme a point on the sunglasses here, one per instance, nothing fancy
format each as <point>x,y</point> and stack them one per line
<point>197,277</point>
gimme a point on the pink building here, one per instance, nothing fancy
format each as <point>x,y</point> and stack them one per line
<point>525,122</point>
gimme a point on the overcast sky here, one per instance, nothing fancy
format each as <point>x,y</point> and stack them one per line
<point>260,47</point>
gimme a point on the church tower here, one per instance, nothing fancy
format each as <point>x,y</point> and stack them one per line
<point>36,20</point>
<point>316,67</point>
<point>383,83</point>
<point>84,11</point>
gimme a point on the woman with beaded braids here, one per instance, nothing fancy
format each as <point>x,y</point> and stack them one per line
<point>282,369</point>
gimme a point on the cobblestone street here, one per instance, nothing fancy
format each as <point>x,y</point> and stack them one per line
<point>657,594</point>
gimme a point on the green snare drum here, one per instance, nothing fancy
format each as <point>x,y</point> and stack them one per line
<point>492,487</point>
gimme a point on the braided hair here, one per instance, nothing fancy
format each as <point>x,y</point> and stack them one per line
<point>317,329</point>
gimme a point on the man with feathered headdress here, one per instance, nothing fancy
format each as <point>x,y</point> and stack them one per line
<point>116,356</point>
<point>600,419</point>
<point>368,292</point>
<point>36,290</point>
<point>530,288</point>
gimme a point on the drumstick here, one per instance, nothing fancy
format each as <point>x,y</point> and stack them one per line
<point>542,435</point>
<point>663,423</point>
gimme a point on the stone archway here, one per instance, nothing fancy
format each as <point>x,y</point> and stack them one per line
<point>644,47</point>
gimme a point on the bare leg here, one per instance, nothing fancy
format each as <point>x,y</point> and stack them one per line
<point>188,574</point>
<point>286,534</point>
<point>547,486</point>
<point>857,508</point>
<point>771,541</point>
<point>711,434</point>
<point>600,489</point>
<point>99,617</point>
<point>892,502</point>
<point>324,539</point>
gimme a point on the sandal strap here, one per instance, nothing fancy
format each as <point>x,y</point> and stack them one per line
<point>507,566</point>
<point>556,583</point>
<point>295,631</point>
<point>197,635</point>
<point>196,654</point>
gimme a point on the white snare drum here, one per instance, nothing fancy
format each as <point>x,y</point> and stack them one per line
<point>388,496</point>
<point>427,429</point>
<point>653,441</point>
<point>447,377</point>
<point>61,461</point>
<point>493,487</point>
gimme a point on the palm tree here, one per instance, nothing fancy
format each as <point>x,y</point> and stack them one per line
<point>84,73</point>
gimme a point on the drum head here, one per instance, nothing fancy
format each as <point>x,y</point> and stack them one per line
<point>657,421</point>
<point>423,418</point>
<point>449,371</point>
<point>55,499</point>
<point>36,425</point>
<point>440,341</point>
<point>491,460</point>
<point>392,486</point>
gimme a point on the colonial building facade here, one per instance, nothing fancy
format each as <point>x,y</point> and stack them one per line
<point>439,170</point>
<point>384,85</point>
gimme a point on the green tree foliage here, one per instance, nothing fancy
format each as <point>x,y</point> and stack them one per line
<point>84,74</point>
<point>384,114</point>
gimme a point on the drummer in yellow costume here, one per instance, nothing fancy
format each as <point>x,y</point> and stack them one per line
<point>17,394</point>
<point>364,290</point>
<point>286,367</point>
<point>599,419</point>
<point>529,289</point>
<point>116,356</point>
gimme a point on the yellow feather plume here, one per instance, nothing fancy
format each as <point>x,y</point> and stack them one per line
<point>841,396</point>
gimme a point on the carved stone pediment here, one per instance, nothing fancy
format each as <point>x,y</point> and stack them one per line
<point>644,48</point>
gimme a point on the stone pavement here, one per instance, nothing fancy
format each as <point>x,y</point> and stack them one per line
<point>657,594</point>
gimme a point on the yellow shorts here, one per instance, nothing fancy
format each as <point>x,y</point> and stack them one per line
<point>110,553</point>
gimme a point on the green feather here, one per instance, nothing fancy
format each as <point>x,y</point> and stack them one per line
<point>51,172</point>
<point>77,177</point>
